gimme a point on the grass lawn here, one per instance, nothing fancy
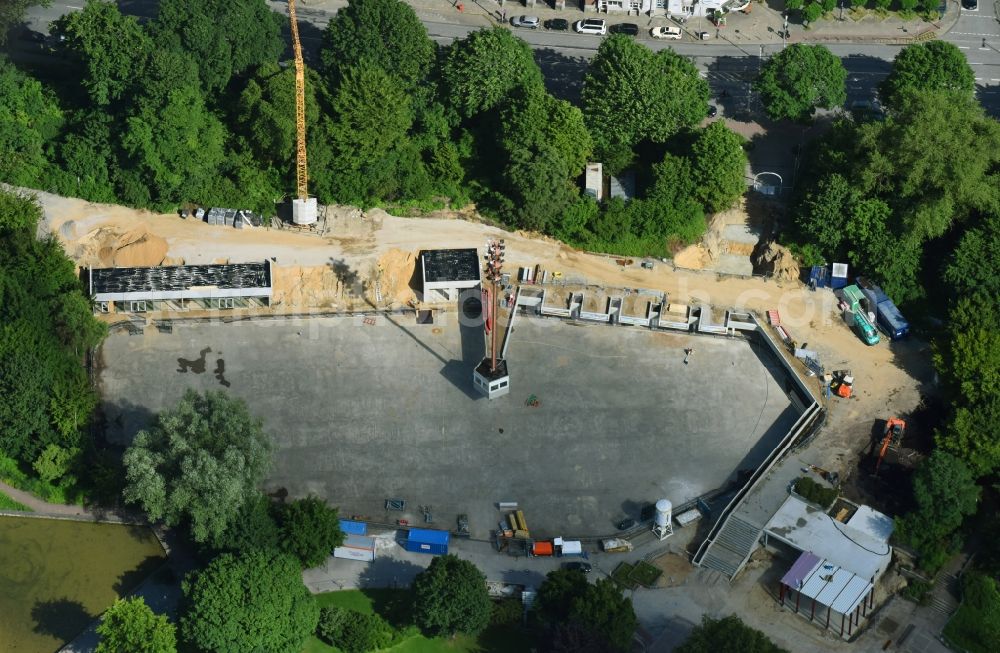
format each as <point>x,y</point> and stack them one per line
<point>6,503</point>
<point>396,608</point>
<point>57,576</point>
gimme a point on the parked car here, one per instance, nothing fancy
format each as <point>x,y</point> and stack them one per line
<point>591,26</point>
<point>712,111</point>
<point>630,29</point>
<point>578,566</point>
<point>557,24</point>
<point>527,22</point>
<point>971,5</point>
<point>669,32</point>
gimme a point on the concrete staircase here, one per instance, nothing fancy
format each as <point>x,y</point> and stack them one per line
<point>732,546</point>
<point>944,596</point>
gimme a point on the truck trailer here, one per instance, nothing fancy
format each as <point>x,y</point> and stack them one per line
<point>888,317</point>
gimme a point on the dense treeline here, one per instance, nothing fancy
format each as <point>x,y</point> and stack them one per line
<point>46,331</point>
<point>912,199</point>
<point>195,106</point>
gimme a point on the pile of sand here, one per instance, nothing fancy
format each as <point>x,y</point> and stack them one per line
<point>694,257</point>
<point>139,248</point>
<point>314,286</point>
<point>394,272</point>
<point>775,259</point>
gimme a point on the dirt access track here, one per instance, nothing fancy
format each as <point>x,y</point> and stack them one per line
<point>336,272</point>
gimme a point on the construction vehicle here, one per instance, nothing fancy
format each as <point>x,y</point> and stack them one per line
<point>304,208</point>
<point>895,429</point>
<point>855,300</point>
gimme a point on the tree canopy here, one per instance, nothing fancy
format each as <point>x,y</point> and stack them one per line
<point>30,117</point>
<point>46,329</point>
<point>310,530</point>
<point>484,68</point>
<point>198,464</point>
<point>720,167</point>
<point>129,626</point>
<point>589,615</point>
<point>225,37</point>
<point>945,493</point>
<point>255,602</point>
<point>799,79</point>
<point>727,634</point>
<point>111,48</point>
<point>631,94</point>
<point>383,33</point>
<point>450,597</point>
<point>935,65</point>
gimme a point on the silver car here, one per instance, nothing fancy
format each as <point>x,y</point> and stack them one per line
<point>527,22</point>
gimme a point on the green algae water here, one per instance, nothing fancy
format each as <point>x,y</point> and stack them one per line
<point>57,576</point>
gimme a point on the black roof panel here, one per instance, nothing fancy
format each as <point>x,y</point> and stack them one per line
<point>180,277</point>
<point>442,265</point>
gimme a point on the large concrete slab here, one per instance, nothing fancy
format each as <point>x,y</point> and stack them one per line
<point>363,412</point>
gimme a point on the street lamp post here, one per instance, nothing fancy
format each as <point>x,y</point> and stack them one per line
<point>841,10</point>
<point>784,29</point>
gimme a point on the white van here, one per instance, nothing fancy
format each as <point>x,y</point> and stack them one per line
<point>591,26</point>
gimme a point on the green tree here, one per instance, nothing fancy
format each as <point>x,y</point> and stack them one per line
<point>112,49</point>
<point>480,71</point>
<point>368,135</point>
<point>603,608</point>
<point>967,271</point>
<point>546,146</point>
<point>719,166</point>
<point>944,152</point>
<point>54,462</point>
<point>556,594</point>
<point>823,214</point>
<point>631,94</point>
<point>382,33</point>
<point>29,119</point>
<point>450,597</point>
<point>225,37</point>
<point>129,626</point>
<point>945,493</point>
<point>310,530</point>
<point>352,631</point>
<point>255,602</point>
<point>173,150</point>
<point>800,78</point>
<point>198,464</point>
<point>46,327</point>
<point>811,12</point>
<point>727,634</point>
<point>969,364</point>
<point>935,65</point>
<point>252,529</point>
<point>595,612</point>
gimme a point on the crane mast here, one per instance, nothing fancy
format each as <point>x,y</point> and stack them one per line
<point>303,207</point>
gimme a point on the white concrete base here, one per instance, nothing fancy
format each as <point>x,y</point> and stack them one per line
<point>492,384</point>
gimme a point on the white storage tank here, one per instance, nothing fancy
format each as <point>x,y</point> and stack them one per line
<point>662,527</point>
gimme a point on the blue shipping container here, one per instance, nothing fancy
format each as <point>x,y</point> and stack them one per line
<point>353,527</point>
<point>891,320</point>
<point>422,540</point>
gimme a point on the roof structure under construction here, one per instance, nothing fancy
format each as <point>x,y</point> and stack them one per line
<point>181,282</point>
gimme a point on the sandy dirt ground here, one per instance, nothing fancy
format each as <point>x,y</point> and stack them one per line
<point>364,256</point>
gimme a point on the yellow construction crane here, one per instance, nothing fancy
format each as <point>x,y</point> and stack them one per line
<point>303,207</point>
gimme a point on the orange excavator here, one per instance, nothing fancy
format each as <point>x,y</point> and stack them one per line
<point>895,429</point>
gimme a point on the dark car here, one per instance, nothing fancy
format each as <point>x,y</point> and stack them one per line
<point>631,29</point>
<point>626,524</point>
<point>578,566</point>
<point>557,24</point>
<point>972,5</point>
<point>712,110</point>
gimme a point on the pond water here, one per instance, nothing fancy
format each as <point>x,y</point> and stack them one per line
<point>57,576</point>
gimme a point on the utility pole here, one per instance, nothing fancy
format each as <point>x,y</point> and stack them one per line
<point>784,29</point>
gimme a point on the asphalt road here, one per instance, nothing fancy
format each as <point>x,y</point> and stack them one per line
<point>728,66</point>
